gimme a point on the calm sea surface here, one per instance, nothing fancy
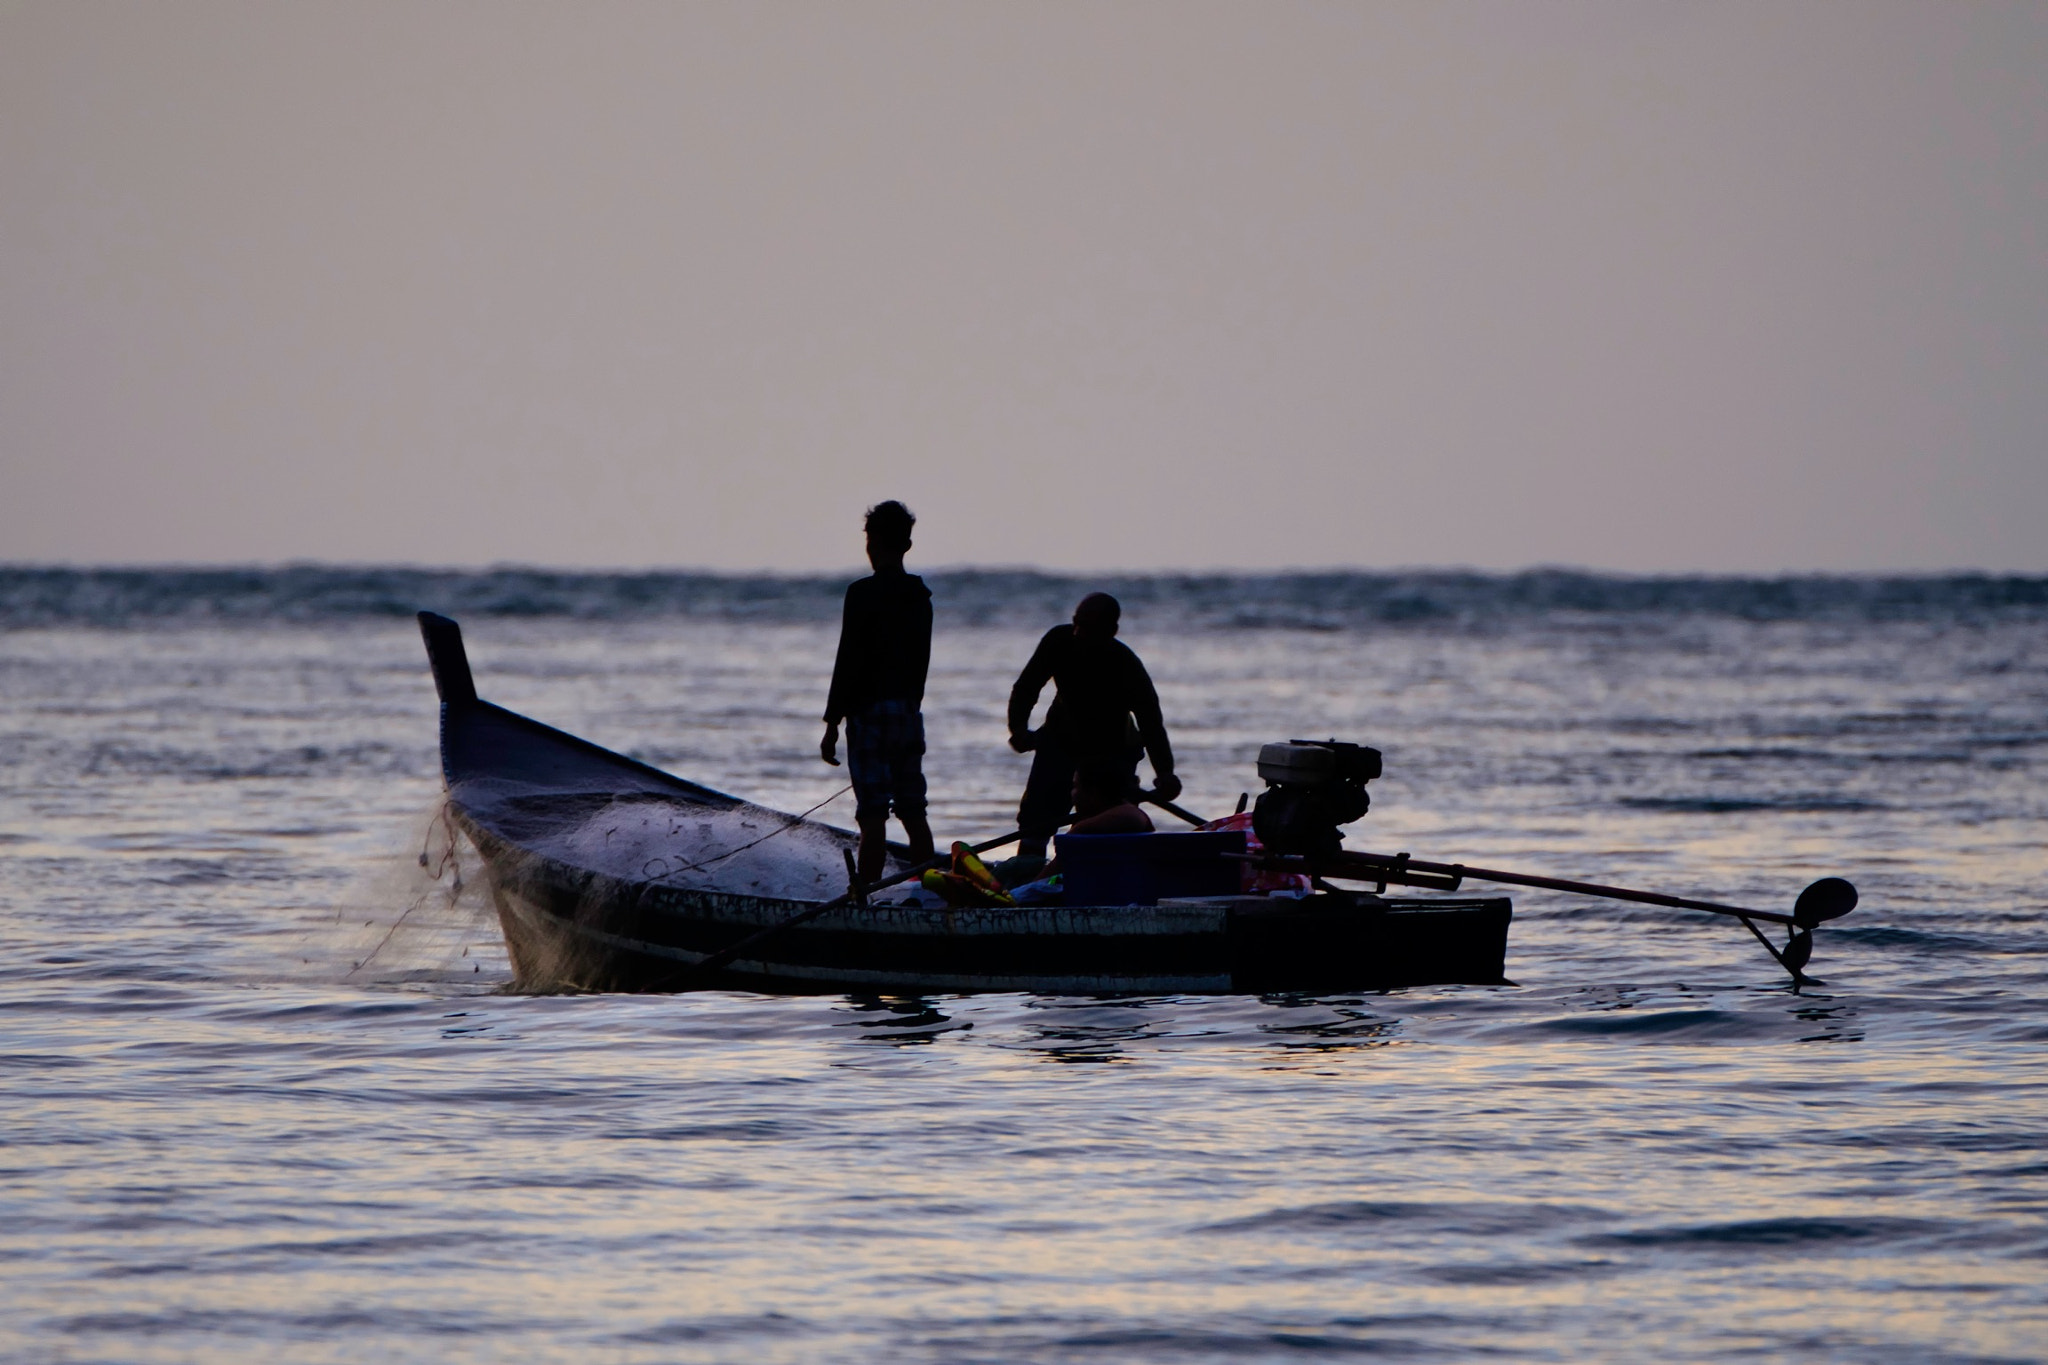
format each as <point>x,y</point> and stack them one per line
<point>263,1096</point>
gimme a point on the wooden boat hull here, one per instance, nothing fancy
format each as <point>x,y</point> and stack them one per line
<point>567,928</point>
<point>515,784</point>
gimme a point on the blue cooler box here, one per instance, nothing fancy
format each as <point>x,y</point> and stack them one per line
<point>1138,869</point>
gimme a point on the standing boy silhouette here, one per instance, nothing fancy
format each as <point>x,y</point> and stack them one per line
<point>885,649</point>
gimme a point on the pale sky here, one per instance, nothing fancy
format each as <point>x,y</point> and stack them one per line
<point>1734,287</point>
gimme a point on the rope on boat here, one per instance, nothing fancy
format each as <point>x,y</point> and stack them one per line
<point>787,826</point>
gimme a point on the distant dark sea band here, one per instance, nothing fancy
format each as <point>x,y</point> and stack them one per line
<point>32,596</point>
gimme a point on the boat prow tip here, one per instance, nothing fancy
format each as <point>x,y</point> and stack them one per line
<point>448,659</point>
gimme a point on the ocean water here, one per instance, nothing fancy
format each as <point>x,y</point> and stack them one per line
<point>264,1096</point>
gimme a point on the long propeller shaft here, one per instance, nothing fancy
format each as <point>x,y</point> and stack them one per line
<point>1382,867</point>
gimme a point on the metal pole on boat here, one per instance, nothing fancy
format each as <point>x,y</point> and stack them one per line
<point>726,956</point>
<point>1172,809</point>
<point>1829,898</point>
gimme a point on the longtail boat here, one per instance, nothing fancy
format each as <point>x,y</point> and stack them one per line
<point>610,875</point>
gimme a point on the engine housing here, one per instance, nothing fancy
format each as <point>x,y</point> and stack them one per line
<point>1313,786</point>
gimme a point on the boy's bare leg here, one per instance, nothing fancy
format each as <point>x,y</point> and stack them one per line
<point>919,829</point>
<point>873,857</point>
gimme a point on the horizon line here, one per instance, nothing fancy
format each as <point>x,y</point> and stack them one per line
<point>857,570</point>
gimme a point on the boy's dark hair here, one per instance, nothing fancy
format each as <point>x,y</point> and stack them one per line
<point>890,522</point>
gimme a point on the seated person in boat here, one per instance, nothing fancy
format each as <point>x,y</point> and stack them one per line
<point>1103,803</point>
<point>885,648</point>
<point>1100,690</point>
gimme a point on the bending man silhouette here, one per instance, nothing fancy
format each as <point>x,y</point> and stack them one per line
<point>885,649</point>
<point>1101,687</point>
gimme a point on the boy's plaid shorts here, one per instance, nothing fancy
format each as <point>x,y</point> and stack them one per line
<point>885,758</point>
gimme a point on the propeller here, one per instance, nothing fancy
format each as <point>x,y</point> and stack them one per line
<point>1829,898</point>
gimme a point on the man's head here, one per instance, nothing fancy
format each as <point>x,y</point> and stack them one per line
<point>888,526</point>
<point>1097,616</point>
<point>1096,789</point>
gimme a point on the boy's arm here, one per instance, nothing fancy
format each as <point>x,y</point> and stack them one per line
<point>923,646</point>
<point>842,679</point>
<point>843,663</point>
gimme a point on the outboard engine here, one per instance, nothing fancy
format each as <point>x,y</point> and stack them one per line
<point>1312,786</point>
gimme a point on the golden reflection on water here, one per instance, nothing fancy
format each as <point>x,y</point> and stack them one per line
<point>560,1165</point>
<point>1653,1147</point>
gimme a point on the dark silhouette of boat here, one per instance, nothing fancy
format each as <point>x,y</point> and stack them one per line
<point>611,875</point>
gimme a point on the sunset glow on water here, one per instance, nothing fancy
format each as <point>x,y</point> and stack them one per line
<point>225,1140</point>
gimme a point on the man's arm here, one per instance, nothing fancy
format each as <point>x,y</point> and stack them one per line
<point>1152,729</point>
<point>1030,683</point>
